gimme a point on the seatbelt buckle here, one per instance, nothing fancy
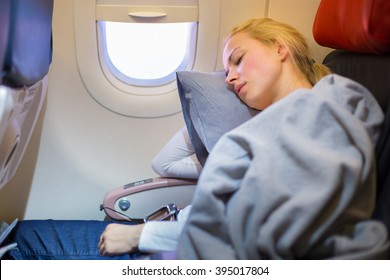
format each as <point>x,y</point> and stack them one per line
<point>167,212</point>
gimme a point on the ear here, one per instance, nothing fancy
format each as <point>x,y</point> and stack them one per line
<point>282,51</point>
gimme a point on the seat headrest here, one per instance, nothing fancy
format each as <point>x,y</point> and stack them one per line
<point>29,50</point>
<point>356,25</point>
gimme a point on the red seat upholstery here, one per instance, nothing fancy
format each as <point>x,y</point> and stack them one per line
<point>357,25</point>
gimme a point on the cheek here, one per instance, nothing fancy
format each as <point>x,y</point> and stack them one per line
<point>250,68</point>
<point>260,89</point>
<point>256,69</point>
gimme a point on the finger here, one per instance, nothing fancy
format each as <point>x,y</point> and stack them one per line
<point>101,244</point>
<point>101,240</point>
<point>102,250</point>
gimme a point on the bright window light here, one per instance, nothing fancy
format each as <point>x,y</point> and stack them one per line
<point>147,53</point>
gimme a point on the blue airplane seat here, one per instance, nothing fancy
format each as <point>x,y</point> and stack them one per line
<point>25,58</point>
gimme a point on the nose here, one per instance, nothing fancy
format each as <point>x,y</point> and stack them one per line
<point>231,77</point>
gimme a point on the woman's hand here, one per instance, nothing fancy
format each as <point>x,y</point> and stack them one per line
<point>118,239</point>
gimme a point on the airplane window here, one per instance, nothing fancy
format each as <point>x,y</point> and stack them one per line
<point>147,54</point>
<point>128,51</point>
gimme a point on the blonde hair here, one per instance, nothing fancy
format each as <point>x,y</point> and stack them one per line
<point>269,32</point>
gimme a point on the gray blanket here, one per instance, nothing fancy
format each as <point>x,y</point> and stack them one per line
<point>295,182</point>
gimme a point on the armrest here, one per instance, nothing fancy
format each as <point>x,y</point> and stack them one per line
<point>139,199</point>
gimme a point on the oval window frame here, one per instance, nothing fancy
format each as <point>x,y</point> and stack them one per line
<point>127,103</point>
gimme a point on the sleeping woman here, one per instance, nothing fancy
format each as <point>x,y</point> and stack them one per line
<point>298,180</point>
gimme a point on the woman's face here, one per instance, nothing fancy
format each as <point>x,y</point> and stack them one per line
<point>253,69</point>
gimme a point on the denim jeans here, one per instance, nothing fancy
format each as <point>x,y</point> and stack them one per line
<point>59,240</point>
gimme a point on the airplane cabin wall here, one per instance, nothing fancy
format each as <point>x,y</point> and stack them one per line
<point>300,14</point>
<point>80,150</point>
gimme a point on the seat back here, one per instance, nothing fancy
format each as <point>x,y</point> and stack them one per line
<point>25,57</point>
<point>364,57</point>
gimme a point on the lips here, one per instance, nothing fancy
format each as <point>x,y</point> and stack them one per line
<point>238,88</point>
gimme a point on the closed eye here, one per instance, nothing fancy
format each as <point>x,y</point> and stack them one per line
<point>239,60</point>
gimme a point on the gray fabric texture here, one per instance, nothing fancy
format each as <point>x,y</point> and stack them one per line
<point>295,182</point>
